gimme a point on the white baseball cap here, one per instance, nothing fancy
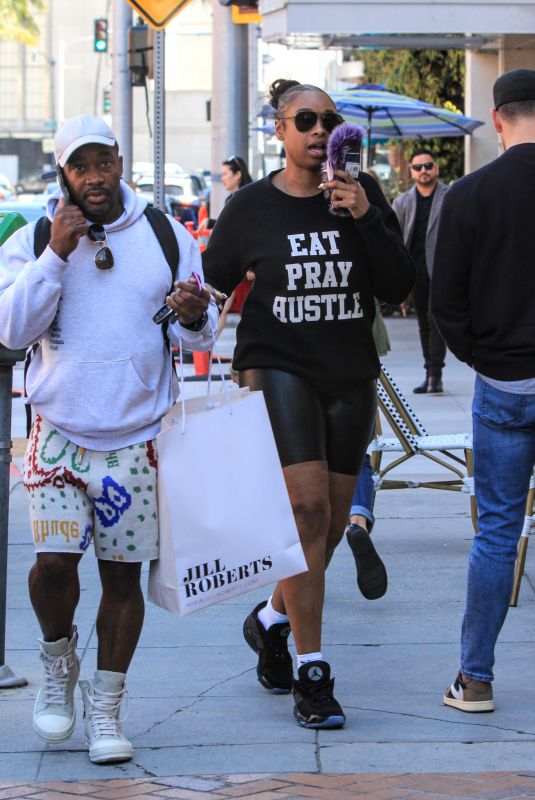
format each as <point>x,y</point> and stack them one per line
<point>77,131</point>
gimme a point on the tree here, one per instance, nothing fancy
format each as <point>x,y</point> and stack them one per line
<point>436,76</point>
<point>17,20</point>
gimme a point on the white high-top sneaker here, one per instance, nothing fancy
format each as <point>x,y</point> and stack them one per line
<point>54,714</point>
<point>102,704</point>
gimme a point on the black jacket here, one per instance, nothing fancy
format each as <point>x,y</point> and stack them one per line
<point>483,285</point>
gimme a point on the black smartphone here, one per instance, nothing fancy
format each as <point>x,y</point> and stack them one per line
<point>63,185</point>
<point>162,314</point>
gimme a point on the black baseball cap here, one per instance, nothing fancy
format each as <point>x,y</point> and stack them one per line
<point>514,86</point>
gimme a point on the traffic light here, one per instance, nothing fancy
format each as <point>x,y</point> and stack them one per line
<point>100,40</point>
<point>106,100</point>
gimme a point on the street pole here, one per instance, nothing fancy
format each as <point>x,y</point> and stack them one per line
<point>255,159</point>
<point>230,117</point>
<point>159,119</point>
<point>7,359</point>
<point>121,85</point>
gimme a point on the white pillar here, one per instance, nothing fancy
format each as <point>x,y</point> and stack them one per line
<point>481,72</point>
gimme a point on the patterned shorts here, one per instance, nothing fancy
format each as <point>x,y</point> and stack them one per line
<point>77,495</point>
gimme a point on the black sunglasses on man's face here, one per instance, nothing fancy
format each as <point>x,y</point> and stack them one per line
<point>427,165</point>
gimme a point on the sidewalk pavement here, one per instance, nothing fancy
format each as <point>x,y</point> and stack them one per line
<point>195,707</point>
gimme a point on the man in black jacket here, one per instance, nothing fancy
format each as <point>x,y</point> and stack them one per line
<point>482,296</point>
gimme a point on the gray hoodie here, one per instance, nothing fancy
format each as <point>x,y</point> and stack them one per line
<point>102,374</point>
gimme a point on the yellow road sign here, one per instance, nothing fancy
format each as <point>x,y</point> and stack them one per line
<point>158,13</point>
<point>244,15</point>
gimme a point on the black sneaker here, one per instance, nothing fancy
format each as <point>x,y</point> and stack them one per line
<point>371,573</point>
<point>274,669</point>
<point>315,705</point>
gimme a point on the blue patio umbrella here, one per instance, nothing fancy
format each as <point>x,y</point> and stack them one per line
<point>387,115</point>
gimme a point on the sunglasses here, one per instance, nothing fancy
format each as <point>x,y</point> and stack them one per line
<point>428,165</point>
<point>306,120</point>
<point>103,256</point>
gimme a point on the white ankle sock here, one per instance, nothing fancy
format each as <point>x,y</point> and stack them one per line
<point>307,657</point>
<point>268,616</point>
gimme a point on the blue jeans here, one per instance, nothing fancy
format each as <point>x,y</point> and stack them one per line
<point>504,455</point>
<point>364,496</point>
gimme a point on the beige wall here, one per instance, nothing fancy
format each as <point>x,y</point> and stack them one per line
<point>482,69</point>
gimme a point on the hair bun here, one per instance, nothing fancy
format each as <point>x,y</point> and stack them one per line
<point>278,88</point>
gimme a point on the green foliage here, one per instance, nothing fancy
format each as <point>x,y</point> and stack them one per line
<point>17,20</point>
<point>435,76</point>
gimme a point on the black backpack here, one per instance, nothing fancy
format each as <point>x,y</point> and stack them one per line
<point>163,230</point>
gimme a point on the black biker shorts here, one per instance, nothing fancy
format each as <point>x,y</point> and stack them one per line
<point>311,423</point>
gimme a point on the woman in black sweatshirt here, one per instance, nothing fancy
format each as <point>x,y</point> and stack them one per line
<point>305,339</point>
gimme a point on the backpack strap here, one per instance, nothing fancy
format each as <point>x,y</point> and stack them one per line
<point>41,235</point>
<point>41,238</point>
<point>163,230</point>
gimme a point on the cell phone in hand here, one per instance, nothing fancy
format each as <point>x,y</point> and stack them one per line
<point>352,165</point>
<point>63,185</point>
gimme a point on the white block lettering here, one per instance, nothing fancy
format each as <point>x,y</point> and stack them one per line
<point>295,271</point>
<point>294,239</point>
<point>332,236</point>
<point>312,270</point>
<point>279,308</point>
<point>316,247</point>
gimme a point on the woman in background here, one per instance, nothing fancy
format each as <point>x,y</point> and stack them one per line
<point>234,175</point>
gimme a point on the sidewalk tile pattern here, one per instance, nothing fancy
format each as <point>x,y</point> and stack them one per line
<point>371,786</point>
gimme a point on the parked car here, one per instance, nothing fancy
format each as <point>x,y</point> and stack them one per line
<point>181,213</point>
<point>31,210</point>
<point>145,169</point>
<point>180,191</point>
<point>201,186</point>
<point>6,188</point>
<point>31,184</point>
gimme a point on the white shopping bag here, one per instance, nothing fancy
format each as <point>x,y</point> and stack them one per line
<point>226,524</point>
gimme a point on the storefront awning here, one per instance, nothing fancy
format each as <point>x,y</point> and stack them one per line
<point>414,23</point>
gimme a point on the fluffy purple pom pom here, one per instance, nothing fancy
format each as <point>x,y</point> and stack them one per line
<point>344,138</point>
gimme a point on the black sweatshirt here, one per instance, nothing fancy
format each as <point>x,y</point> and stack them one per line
<point>483,285</point>
<point>311,308</point>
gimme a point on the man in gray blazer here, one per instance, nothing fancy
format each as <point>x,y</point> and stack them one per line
<point>418,211</point>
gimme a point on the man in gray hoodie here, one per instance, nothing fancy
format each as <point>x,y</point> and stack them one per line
<point>100,380</point>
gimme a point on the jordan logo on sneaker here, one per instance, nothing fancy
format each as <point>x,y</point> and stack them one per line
<point>315,674</point>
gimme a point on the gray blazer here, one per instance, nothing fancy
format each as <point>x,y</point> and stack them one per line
<point>405,208</point>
